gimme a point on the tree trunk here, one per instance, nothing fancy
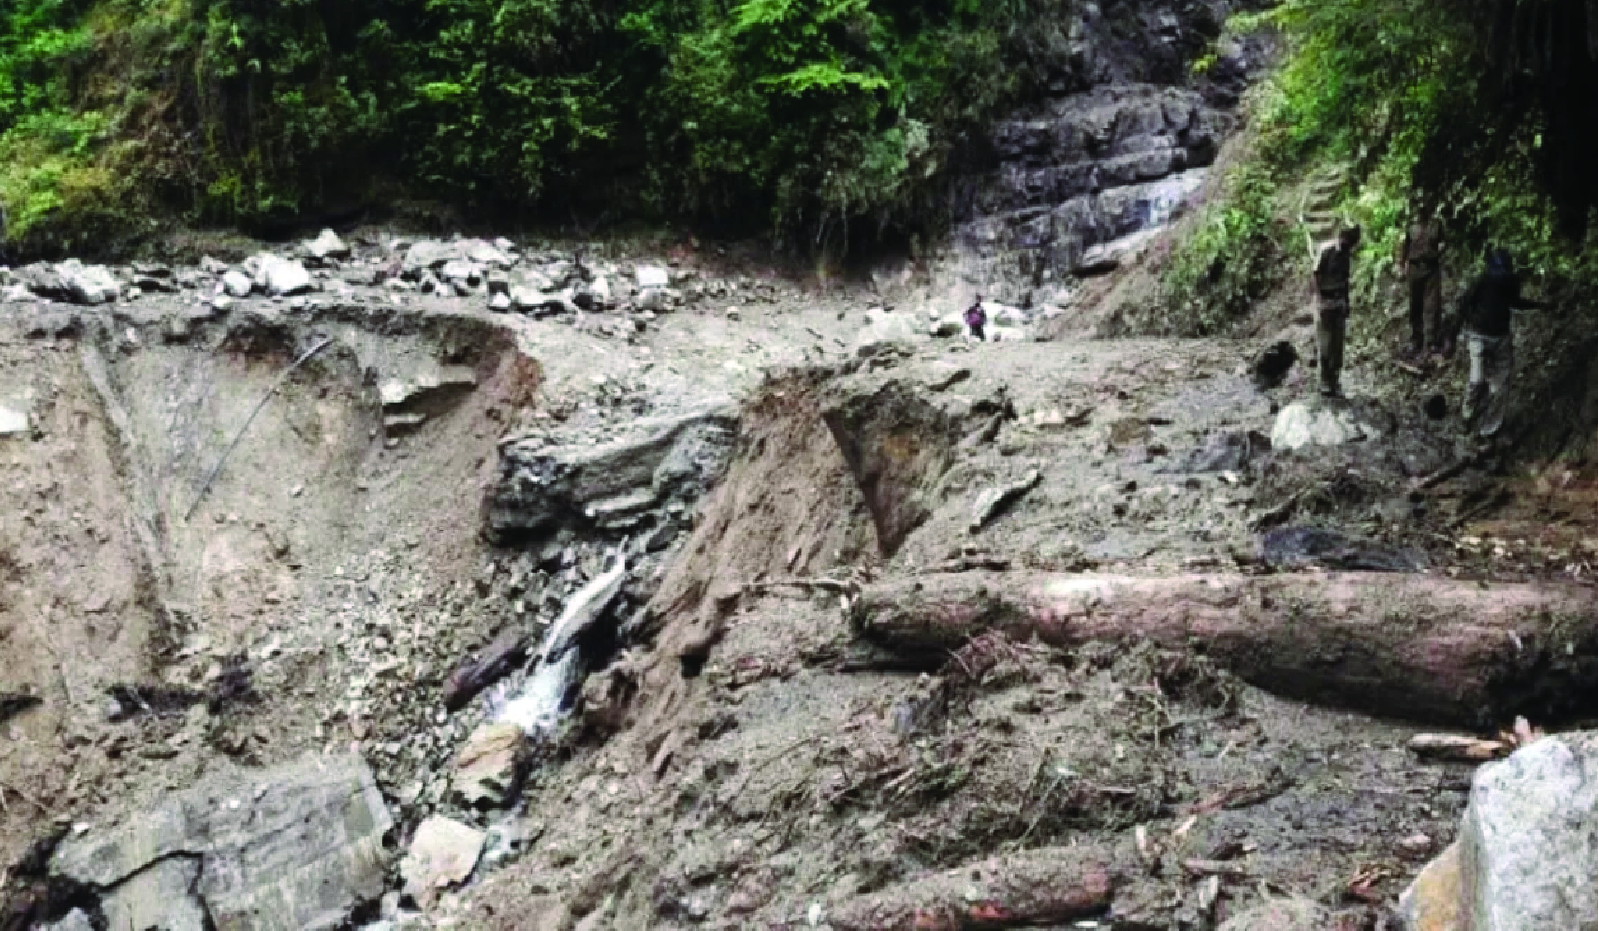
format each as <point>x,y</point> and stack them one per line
<point>1047,886</point>
<point>1404,646</point>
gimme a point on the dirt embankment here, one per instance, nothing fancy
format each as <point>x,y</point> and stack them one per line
<point>860,689</point>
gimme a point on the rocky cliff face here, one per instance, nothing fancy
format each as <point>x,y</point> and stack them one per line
<point>1079,180</point>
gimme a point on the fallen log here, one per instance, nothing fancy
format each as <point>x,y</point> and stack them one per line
<point>1407,646</point>
<point>1046,886</point>
<point>502,655</point>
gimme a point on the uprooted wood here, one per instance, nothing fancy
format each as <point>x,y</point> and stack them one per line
<point>1046,886</point>
<point>1417,647</point>
<point>502,655</point>
<point>835,586</point>
<point>1456,747</point>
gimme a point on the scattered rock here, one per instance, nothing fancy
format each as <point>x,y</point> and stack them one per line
<point>298,846</point>
<point>501,301</point>
<point>1226,452</point>
<point>426,390</point>
<point>1312,423</point>
<point>488,768</point>
<point>14,422</point>
<point>1523,859</point>
<point>1281,915</point>
<point>991,503</point>
<point>425,256</point>
<point>883,328</point>
<point>88,284</point>
<point>944,376</point>
<point>1301,547</point>
<point>281,277</point>
<point>237,284</point>
<point>1270,368</point>
<point>651,276</point>
<point>326,246</point>
<point>442,854</point>
<point>76,920</point>
<point>612,485</point>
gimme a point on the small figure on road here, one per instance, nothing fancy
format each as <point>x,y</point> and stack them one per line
<point>1331,314</point>
<point>1422,259</point>
<point>1487,310</point>
<point>976,318</point>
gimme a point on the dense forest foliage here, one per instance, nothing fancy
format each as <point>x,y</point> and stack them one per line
<point>793,116</point>
<point>1481,109</point>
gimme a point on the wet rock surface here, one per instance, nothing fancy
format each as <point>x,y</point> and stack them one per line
<point>296,847</point>
<point>649,475</point>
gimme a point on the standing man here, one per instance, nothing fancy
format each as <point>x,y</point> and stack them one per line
<point>1331,317</point>
<point>1487,310</point>
<point>1422,259</point>
<point>976,318</point>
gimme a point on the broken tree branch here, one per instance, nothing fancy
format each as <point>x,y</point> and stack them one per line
<point>1416,647</point>
<point>1459,748</point>
<point>826,585</point>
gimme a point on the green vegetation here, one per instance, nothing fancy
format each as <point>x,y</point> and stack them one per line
<point>805,117</point>
<point>1478,107</point>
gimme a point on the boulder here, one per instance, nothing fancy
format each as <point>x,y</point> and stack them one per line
<point>488,768</point>
<point>326,246</point>
<point>651,276</point>
<point>1319,423</point>
<point>42,279</point>
<point>293,847</point>
<point>614,485</point>
<point>14,421</point>
<point>427,255</point>
<point>461,270</point>
<point>157,897</point>
<point>237,284</point>
<point>279,277</point>
<point>442,854</point>
<point>655,300</point>
<point>883,328</point>
<point>426,389</point>
<point>87,284</point>
<point>75,920</point>
<point>1524,856</point>
<point>1281,915</point>
<point>490,255</point>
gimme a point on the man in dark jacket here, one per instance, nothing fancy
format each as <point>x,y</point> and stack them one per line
<point>1486,311</point>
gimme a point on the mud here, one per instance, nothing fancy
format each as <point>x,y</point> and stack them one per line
<point>744,758</point>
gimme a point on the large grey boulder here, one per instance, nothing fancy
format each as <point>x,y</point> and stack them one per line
<point>615,485</point>
<point>237,284</point>
<point>88,284</point>
<point>1527,853</point>
<point>295,847</point>
<point>327,246</point>
<point>280,277</point>
<point>70,281</point>
<point>883,328</point>
<point>426,255</point>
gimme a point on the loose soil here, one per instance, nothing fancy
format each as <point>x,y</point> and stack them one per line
<point>766,766</point>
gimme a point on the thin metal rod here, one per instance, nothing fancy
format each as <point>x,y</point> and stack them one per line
<point>282,376</point>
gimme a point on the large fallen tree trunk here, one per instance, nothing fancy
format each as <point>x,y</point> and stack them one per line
<point>1047,886</point>
<point>1416,647</point>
